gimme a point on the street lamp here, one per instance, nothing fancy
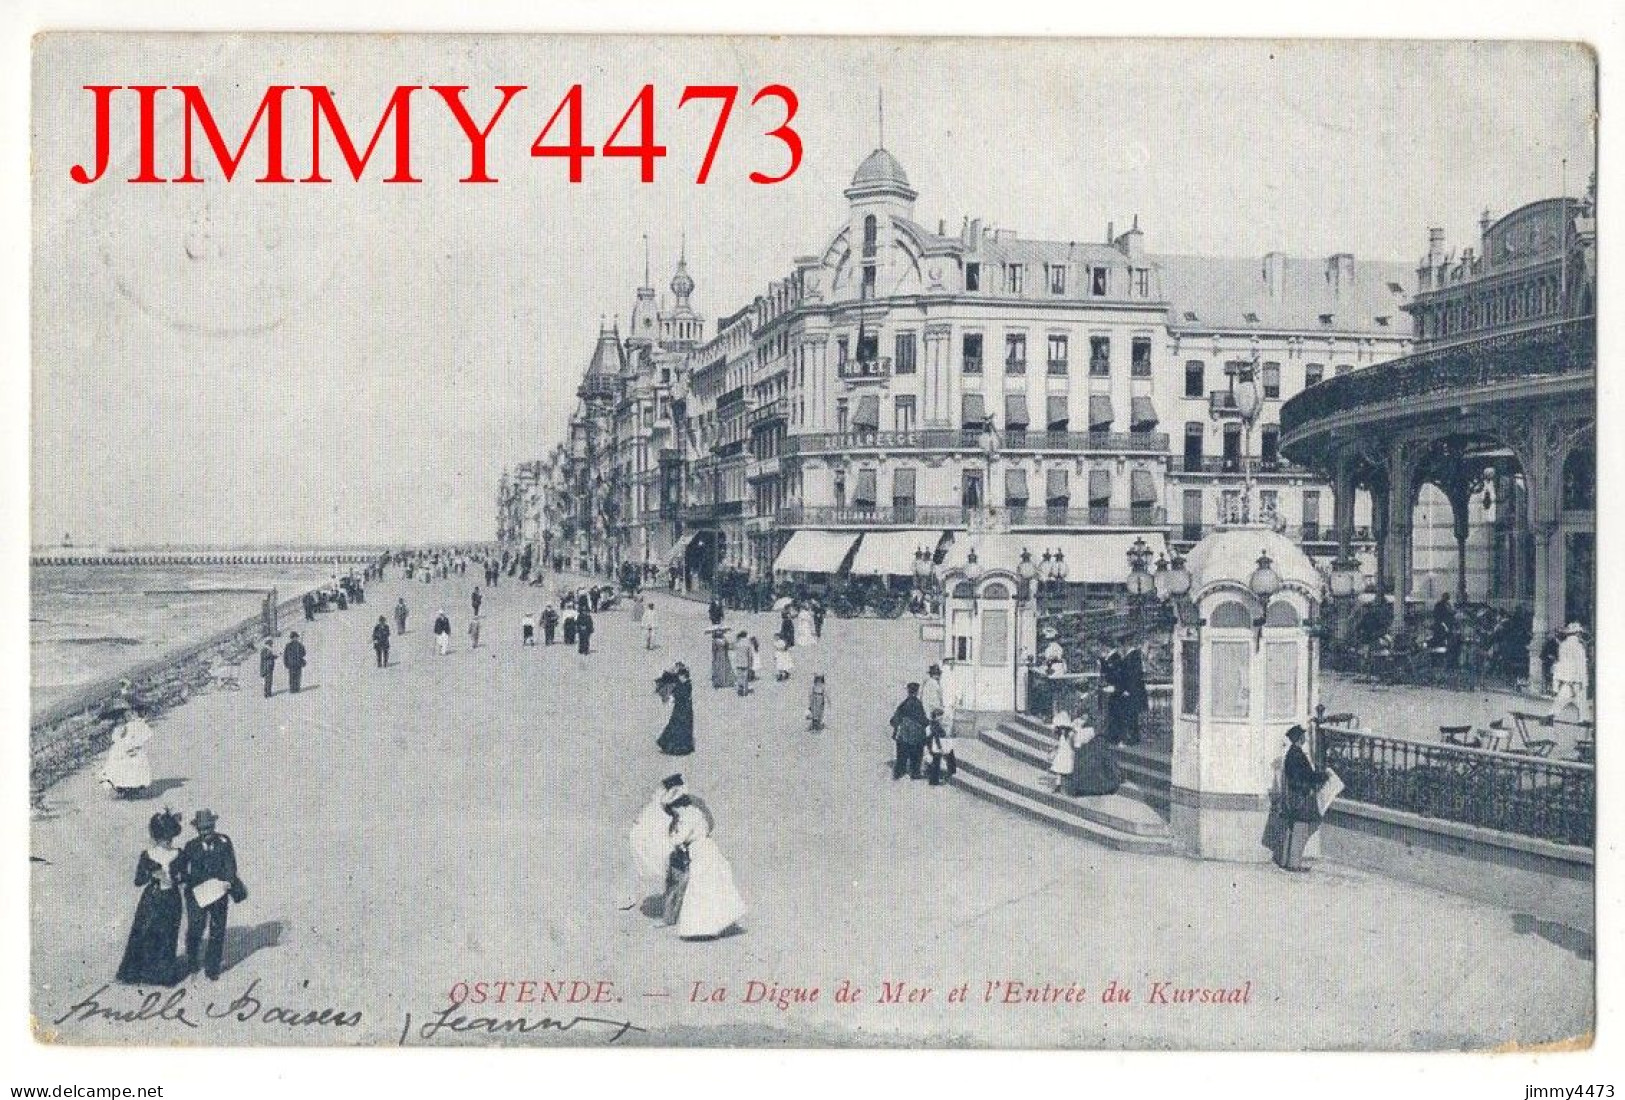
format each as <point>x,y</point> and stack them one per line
<point>1346,578</point>
<point>922,568</point>
<point>1060,567</point>
<point>1027,571</point>
<point>1246,402</point>
<point>1265,581</point>
<point>988,440</point>
<point>1140,581</point>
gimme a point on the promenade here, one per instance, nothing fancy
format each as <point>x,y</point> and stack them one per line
<point>464,819</point>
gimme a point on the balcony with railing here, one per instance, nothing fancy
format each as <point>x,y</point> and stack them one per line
<point>961,516</point>
<point>1317,534</point>
<point>765,413</point>
<point>865,370</point>
<point>970,439</point>
<point>1224,464</point>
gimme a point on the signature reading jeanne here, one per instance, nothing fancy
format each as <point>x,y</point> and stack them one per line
<point>448,1021</point>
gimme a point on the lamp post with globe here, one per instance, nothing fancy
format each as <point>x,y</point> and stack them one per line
<point>1245,401</point>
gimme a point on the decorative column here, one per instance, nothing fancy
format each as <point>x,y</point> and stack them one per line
<point>1401,501</point>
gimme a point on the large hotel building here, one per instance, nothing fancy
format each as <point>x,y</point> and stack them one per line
<point>939,387</point>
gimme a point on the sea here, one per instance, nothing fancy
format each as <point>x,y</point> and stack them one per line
<point>87,623</point>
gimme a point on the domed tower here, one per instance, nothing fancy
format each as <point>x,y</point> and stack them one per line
<point>681,327</point>
<point>879,193</point>
<point>643,327</point>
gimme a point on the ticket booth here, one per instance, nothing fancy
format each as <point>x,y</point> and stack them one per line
<point>1244,673</point>
<point>989,628</point>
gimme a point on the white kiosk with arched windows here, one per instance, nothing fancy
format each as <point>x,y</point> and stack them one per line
<point>1244,672</point>
<point>990,624</point>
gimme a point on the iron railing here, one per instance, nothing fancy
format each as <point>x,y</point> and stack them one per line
<point>970,439</point>
<point>1550,800</point>
<point>1568,347</point>
<point>957,516</point>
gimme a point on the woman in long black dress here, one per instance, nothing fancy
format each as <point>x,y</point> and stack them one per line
<point>149,955</point>
<point>1094,760</point>
<point>677,739</point>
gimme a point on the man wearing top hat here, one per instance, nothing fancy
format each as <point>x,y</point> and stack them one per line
<point>208,871</point>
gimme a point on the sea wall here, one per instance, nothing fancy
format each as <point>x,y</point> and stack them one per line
<point>71,732</point>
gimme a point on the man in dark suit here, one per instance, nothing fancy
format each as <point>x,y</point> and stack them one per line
<point>1111,671</point>
<point>293,656</point>
<point>1131,683</point>
<point>267,665</point>
<point>380,642</point>
<point>208,866</point>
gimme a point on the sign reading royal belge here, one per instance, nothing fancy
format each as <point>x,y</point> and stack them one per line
<point>1533,233</point>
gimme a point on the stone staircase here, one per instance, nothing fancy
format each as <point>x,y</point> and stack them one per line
<point>1006,765</point>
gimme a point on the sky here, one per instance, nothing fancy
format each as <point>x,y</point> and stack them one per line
<point>240,363</point>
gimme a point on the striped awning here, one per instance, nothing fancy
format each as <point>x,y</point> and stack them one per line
<point>815,552</point>
<point>891,553</point>
<point>974,410</point>
<point>1142,488</point>
<point>864,494</point>
<point>1056,488</point>
<point>866,417</point>
<point>1142,414</point>
<point>1100,488</point>
<point>1015,410</point>
<point>1100,412</point>
<point>1015,485</point>
<point>1055,413</point>
<point>902,483</point>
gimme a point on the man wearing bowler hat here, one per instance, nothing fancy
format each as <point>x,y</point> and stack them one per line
<point>267,665</point>
<point>293,657</point>
<point>209,873</point>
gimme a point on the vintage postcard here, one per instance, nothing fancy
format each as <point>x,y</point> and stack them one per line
<point>580,541</point>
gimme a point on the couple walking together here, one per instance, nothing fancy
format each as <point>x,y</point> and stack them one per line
<point>672,843</point>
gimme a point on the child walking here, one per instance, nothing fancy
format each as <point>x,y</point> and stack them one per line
<point>817,700</point>
<point>941,748</point>
<point>783,663</point>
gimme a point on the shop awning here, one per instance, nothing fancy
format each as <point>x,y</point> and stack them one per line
<point>1142,414</point>
<point>1055,414</point>
<point>1100,412</point>
<point>1094,558</point>
<point>678,549</point>
<point>1015,411</point>
<point>815,552</point>
<point>866,417</point>
<point>1015,485</point>
<point>891,553</point>
<point>974,410</point>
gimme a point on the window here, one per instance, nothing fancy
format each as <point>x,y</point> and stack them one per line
<point>1057,354</point>
<point>971,353</point>
<point>1190,677</point>
<point>869,235</point>
<point>904,353</point>
<point>970,489</point>
<point>1194,432</point>
<point>1269,505</point>
<point>1191,515</point>
<point>1012,277</point>
<point>973,276</point>
<point>1272,381</point>
<point>1344,368</point>
<point>868,347</point>
<point>1097,281</point>
<point>1015,353</point>
<point>1311,515</point>
<point>1195,383</point>
<point>1141,360</point>
<point>868,290</point>
<point>1271,446</point>
<point>840,414</point>
<point>902,489</point>
<point>1232,668</point>
<point>1142,282</point>
<point>840,487</point>
<point>1057,278</point>
<point>840,351</point>
<point>1312,374</point>
<point>1100,356</point>
<point>1232,447</point>
<point>903,412</point>
<point>1326,319</point>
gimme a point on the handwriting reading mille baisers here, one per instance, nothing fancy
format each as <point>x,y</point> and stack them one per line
<point>561,136</point>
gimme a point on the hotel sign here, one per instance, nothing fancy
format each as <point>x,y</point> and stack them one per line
<point>1526,236</point>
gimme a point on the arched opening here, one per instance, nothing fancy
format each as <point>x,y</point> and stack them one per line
<point>1231,614</point>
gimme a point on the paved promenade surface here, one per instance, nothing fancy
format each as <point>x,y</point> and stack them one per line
<point>464,819</point>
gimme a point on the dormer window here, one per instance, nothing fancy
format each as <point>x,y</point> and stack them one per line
<point>973,276</point>
<point>1012,277</point>
<point>1396,288</point>
<point>1097,281</point>
<point>1057,278</point>
<point>1326,319</point>
<point>1382,322</point>
<point>1250,318</point>
<point>1189,316</point>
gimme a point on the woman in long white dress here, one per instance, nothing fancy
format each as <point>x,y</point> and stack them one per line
<point>711,903</point>
<point>128,771</point>
<point>805,634</point>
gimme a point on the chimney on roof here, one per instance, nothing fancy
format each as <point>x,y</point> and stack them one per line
<point>1485,220</point>
<point>1340,271</point>
<point>1132,243</point>
<point>1275,273</point>
<point>976,232</point>
<point>1111,233</point>
<point>942,227</point>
